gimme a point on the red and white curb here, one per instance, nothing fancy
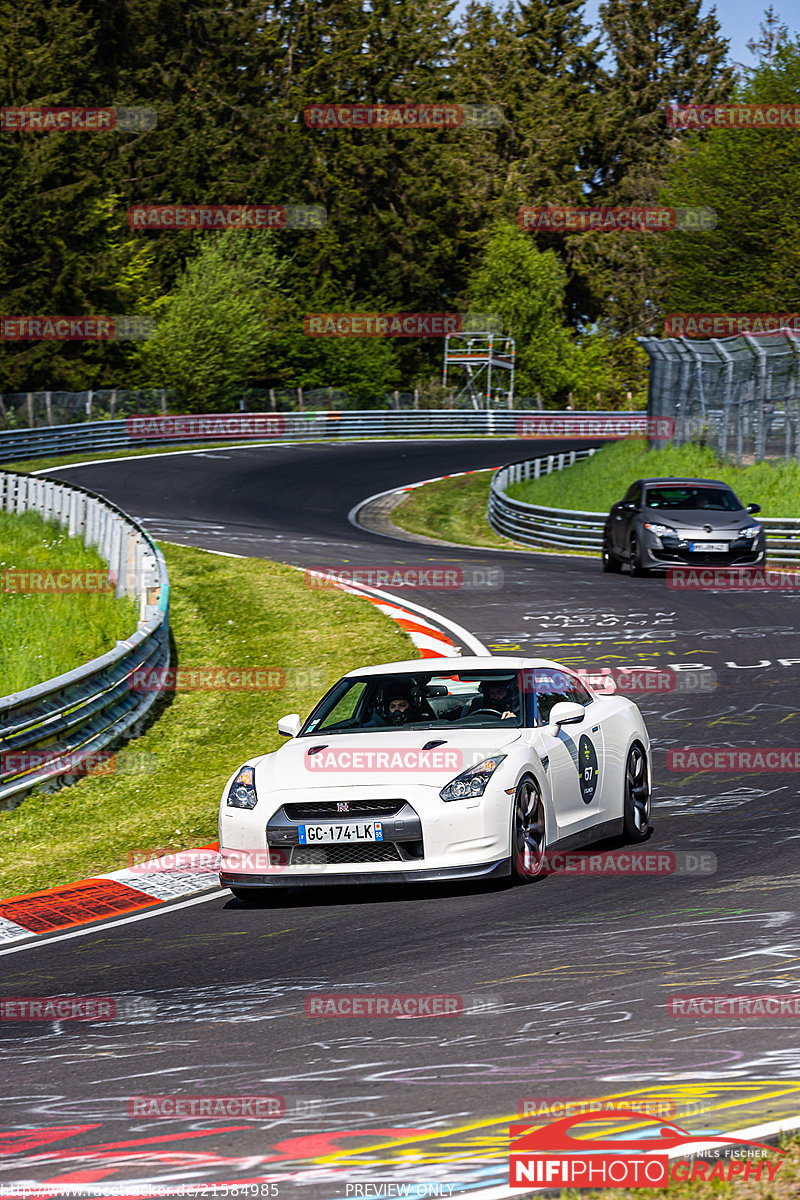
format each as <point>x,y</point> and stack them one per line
<point>116,893</point>
<point>131,889</point>
<point>425,627</point>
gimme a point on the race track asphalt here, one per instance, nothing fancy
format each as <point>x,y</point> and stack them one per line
<point>567,980</point>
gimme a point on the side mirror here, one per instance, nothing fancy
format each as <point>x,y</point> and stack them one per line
<point>628,506</point>
<point>564,713</point>
<point>290,726</point>
<point>754,508</point>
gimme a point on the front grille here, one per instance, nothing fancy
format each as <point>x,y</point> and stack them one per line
<point>696,558</point>
<point>355,808</point>
<point>317,856</point>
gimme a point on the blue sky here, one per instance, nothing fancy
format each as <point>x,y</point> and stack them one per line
<point>740,20</point>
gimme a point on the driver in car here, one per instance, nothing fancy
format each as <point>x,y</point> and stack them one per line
<point>496,694</point>
<point>396,706</point>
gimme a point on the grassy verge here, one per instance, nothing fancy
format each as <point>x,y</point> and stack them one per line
<point>225,612</point>
<point>596,483</point>
<point>785,1184</point>
<point>452,509</point>
<point>43,634</point>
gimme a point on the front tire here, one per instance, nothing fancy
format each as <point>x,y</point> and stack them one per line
<point>634,559</point>
<point>610,561</point>
<point>529,833</point>
<point>636,804</point>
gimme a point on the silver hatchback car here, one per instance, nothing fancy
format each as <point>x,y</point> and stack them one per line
<point>667,522</point>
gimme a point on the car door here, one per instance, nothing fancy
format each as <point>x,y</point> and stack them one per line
<point>622,516</point>
<point>574,756</point>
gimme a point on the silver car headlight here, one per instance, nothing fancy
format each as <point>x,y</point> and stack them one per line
<point>752,531</point>
<point>660,530</point>
<point>473,781</point>
<point>242,792</point>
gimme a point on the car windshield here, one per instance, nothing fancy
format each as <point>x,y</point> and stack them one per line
<point>424,700</point>
<point>690,499</point>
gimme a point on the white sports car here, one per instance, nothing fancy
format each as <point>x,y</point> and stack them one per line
<point>455,768</point>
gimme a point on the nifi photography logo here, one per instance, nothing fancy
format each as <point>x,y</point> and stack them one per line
<point>552,1156</point>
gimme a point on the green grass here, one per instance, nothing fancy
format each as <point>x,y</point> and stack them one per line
<point>452,509</point>
<point>785,1185</point>
<point>225,612</point>
<point>596,483</point>
<point>43,634</point>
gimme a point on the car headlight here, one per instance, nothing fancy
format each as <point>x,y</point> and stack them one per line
<point>242,792</point>
<point>752,531</point>
<point>473,781</point>
<point>660,530</point>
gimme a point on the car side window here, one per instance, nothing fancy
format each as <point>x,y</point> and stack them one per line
<point>551,687</point>
<point>634,493</point>
<point>577,693</point>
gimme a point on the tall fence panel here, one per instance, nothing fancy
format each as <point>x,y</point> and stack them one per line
<point>739,395</point>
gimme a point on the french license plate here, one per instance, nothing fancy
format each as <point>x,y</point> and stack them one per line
<point>368,831</point>
<point>709,547</point>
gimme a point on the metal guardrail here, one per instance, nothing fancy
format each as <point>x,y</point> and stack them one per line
<point>534,525</point>
<point>572,529</point>
<point>47,731</point>
<point>17,444</point>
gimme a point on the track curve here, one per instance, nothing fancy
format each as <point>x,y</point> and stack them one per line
<point>575,971</point>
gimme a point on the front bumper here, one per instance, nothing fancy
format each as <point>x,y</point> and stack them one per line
<point>424,837</point>
<point>491,870</point>
<point>674,552</point>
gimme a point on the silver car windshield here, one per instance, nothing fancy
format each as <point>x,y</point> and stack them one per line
<point>692,499</point>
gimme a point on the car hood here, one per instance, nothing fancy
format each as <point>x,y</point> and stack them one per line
<point>727,522</point>
<point>379,758</point>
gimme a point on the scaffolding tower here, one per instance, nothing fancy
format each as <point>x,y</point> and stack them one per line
<point>471,358</point>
